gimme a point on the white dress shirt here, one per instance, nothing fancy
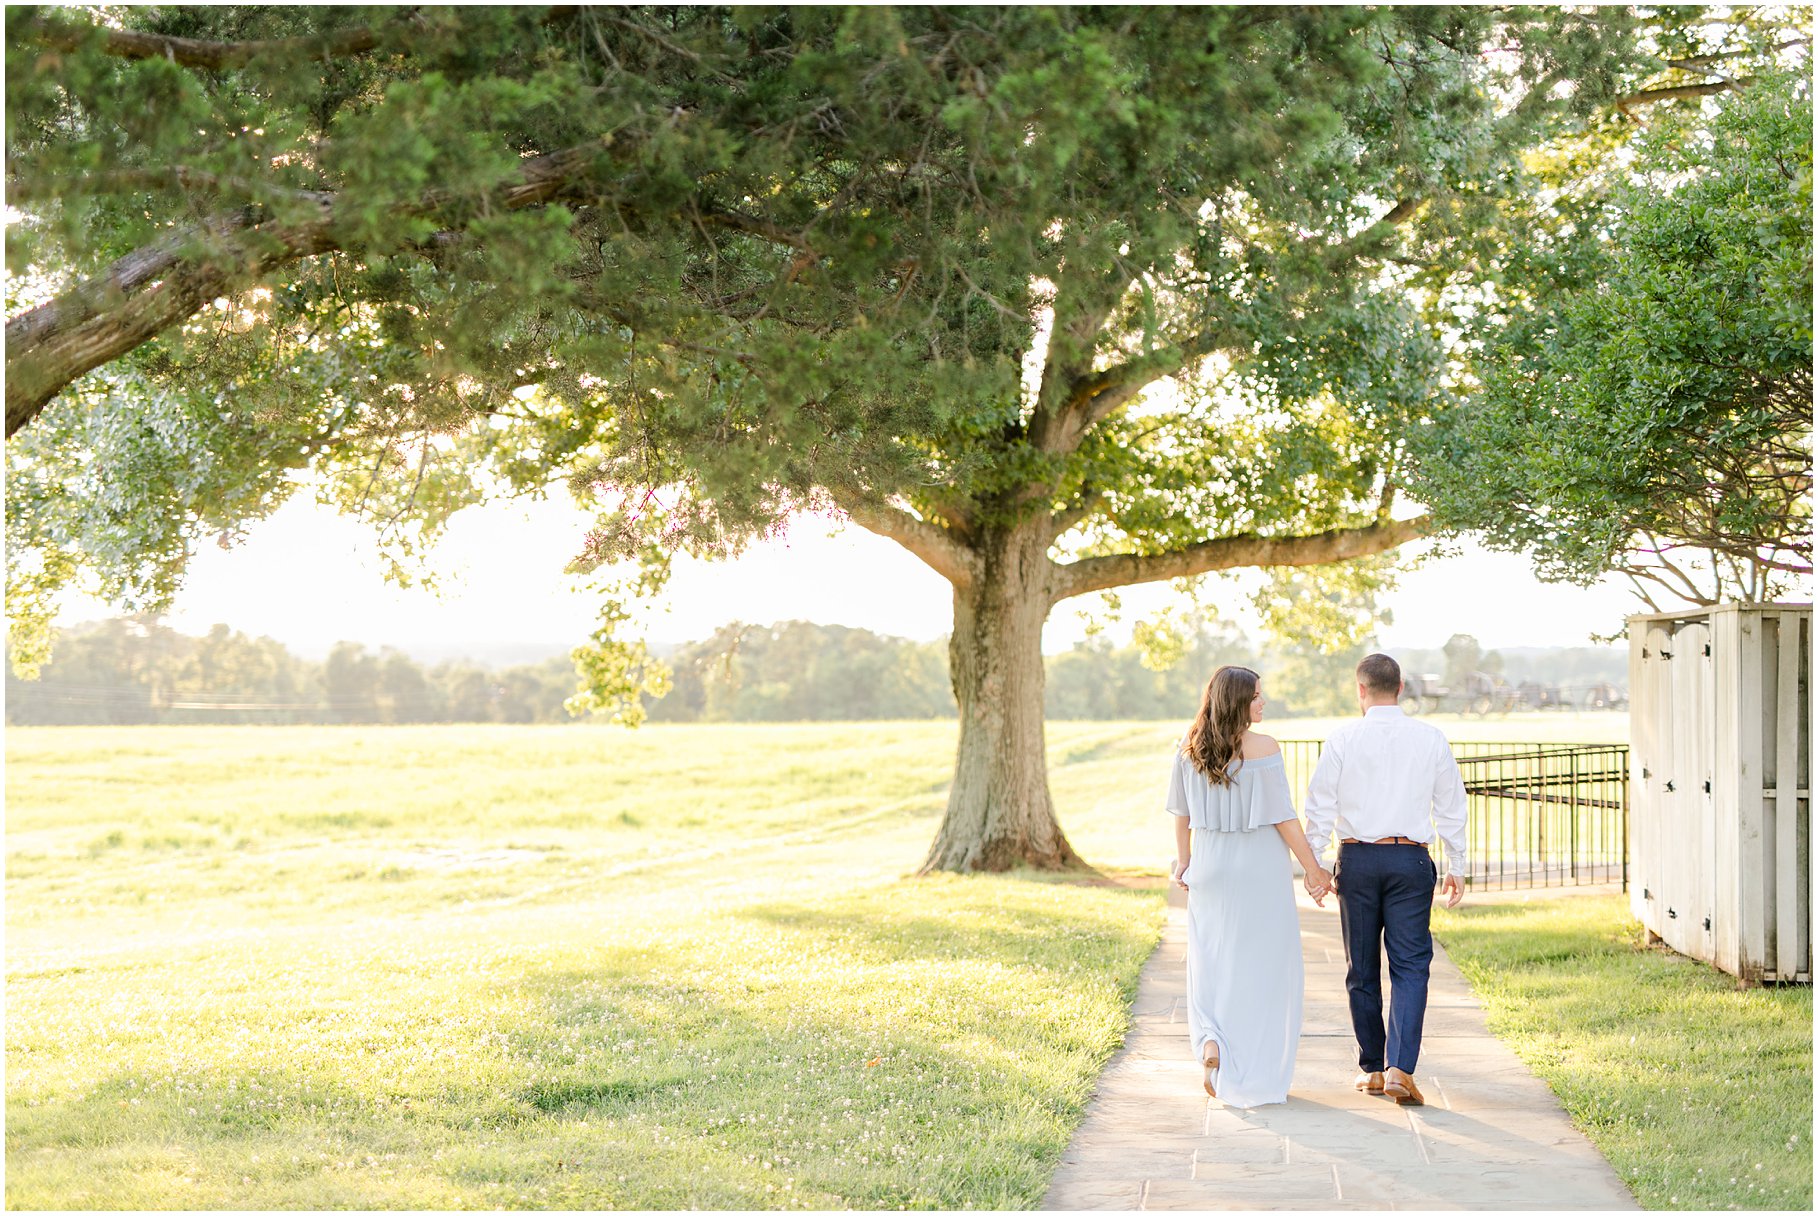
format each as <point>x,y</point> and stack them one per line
<point>1387,775</point>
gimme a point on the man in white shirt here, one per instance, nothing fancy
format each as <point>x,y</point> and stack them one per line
<point>1387,783</point>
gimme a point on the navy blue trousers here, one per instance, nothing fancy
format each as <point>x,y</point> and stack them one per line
<point>1385,901</point>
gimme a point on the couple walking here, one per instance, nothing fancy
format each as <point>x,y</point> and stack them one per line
<point>1384,784</point>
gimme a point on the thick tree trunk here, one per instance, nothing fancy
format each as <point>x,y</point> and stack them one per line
<point>999,813</point>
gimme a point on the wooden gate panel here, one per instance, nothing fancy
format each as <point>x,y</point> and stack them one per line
<point>1721,820</point>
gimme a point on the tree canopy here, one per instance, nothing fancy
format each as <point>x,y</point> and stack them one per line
<point>714,261</point>
<point>1644,393</point>
<point>1060,299</point>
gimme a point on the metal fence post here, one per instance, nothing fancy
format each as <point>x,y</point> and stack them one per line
<point>1572,814</point>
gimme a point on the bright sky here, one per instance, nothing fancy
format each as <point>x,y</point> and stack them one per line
<point>309,578</point>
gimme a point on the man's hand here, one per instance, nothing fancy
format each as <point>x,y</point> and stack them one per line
<point>1453,886</point>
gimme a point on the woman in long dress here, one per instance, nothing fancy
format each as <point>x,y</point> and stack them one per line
<point>1234,830</point>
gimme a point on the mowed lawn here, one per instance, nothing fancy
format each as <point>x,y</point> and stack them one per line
<point>563,967</point>
<point>1698,1092</point>
<point>547,966</point>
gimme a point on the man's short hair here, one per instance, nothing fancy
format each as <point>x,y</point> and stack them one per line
<point>1380,674</point>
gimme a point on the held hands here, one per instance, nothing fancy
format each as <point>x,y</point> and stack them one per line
<point>1319,885</point>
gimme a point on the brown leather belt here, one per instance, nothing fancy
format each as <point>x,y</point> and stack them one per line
<point>1385,840</point>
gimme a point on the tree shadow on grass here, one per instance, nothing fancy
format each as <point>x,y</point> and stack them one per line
<point>966,1024</point>
<point>769,1062</point>
<point>554,1096</point>
<point>1129,744</point>
<point>970,1035</point>
<point>732,1061</point>
<point>1002,934</point>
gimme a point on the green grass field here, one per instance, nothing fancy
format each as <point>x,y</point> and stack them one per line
<point>1700,1094</point>
<point>562,967</point>
<point>547,967</point>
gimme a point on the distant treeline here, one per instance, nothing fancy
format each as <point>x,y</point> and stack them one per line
<point>137,670</point>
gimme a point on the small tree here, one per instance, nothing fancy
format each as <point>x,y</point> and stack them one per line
<point>1646,390</point>
<point>1464,658</point>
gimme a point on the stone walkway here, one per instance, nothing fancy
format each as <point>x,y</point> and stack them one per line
<point>1492,1135</point>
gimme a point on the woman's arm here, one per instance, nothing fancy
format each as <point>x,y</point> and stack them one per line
<point>1318,881</point>
<point>1183,847</point>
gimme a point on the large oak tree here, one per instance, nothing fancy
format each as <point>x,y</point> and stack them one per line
<point>1061,300</point>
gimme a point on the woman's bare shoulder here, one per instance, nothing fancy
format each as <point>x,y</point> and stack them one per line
<point>1256,746</point>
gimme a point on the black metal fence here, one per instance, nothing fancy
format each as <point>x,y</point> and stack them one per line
<point>1537,814</point>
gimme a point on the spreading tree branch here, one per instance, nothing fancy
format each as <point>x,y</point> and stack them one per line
<point>154,288</point>
<point>1703,65</point>
<point>1695,63</point>
<point>753,226</point>
<point>1648,97</point>
<point>1088,398</point>
<point>137,298</point>
<point>197,53</point>
<point>943,554</point>
<point>1080,311</point>
<point>955,512</point>
<point>1692,595</point>
<point>1094,397</point>
<point>1367,244</point>
<point>1229,552</point>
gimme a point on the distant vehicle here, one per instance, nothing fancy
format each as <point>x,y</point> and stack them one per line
<point>1486,694</point>
<point>1481,693</point>
<point>1597,696</point>
<point>1531,694</point>
<point>1422,694</point>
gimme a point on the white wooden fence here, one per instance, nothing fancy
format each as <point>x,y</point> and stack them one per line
<point>1720,770</point>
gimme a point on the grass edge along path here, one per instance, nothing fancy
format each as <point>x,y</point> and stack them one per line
<point>1697,1092</point>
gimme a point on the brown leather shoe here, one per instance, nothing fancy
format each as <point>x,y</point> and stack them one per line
<point>1369,1082</point>
<point>1400,1086</point>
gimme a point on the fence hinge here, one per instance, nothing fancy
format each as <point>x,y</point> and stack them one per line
<point>1707,787</point>
<point>1707,650</point>
<point>1669,786</point>
<point>1672,914</point>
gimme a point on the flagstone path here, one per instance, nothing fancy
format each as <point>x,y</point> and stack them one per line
<point>1492,1135</point>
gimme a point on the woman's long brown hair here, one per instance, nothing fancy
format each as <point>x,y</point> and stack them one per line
<point>1216,738</point>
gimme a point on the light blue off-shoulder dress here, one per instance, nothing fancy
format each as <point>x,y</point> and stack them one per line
<point>1244,975</point>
